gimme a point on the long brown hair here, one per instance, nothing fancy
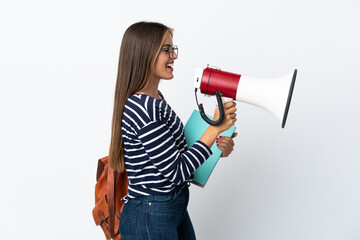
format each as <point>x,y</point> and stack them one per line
<point>139,49</point>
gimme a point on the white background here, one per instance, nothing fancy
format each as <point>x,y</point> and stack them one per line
<point>58,63</point>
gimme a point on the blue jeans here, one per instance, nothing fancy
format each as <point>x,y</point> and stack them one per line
<point>157,217</point>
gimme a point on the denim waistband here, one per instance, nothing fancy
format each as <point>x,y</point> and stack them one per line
<point>174,195</point>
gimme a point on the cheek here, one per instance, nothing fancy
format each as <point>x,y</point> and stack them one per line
<point>156,66</point>
<point>161,61</point>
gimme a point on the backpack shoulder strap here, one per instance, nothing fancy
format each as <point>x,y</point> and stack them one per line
<point>111,200</point>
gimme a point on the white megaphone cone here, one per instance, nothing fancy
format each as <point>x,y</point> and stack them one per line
<point>271,94</point>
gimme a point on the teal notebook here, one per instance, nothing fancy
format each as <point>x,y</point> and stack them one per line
<point>194,129</point>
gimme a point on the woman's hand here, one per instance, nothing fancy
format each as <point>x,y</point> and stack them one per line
<point>212,132</point>
<point>229,116</point>
<point>226,144</point>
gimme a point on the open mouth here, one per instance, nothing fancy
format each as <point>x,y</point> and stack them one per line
<point>170,65</point>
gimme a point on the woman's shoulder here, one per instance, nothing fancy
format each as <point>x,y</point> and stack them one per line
<point>144,101</point>
<point>142,109</point>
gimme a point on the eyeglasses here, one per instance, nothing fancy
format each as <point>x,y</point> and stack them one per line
<point>170,50</point>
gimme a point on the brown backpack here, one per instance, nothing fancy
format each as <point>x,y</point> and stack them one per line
<point>109,189</point>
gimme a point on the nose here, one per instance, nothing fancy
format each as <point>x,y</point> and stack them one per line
<point>173,55</point>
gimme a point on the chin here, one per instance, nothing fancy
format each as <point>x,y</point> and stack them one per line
<point>168,77</point>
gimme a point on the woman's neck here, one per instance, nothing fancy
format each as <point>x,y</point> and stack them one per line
<point>152,89</point>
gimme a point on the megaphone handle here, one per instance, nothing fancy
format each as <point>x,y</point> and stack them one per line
<point>221,111</point>
<point>224,100</point>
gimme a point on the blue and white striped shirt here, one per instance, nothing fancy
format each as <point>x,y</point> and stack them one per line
<point>157,159</point>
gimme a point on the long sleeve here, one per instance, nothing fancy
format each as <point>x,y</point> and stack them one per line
<point>160,146</point>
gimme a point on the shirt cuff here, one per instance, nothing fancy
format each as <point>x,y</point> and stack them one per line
<point>203,148</point>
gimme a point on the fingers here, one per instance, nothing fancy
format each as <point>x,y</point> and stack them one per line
<point>229,108</point>
<point>230,118</point>
<point>226,145</point>
<point>232,115</point>
<point>230,111</point>
<point>229,105</point>
<point>225,151</point>
<point>225,141</point>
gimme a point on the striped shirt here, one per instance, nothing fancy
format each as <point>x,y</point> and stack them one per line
<point>157,158</point>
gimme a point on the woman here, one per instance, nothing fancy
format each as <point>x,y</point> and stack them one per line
<point>148,139</point>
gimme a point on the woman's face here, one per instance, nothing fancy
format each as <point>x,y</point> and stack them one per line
<point>163,68</point>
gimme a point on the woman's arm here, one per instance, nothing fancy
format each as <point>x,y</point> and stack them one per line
<point>160,147</point>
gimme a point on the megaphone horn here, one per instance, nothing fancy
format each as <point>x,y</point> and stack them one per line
<point>271,94</point>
